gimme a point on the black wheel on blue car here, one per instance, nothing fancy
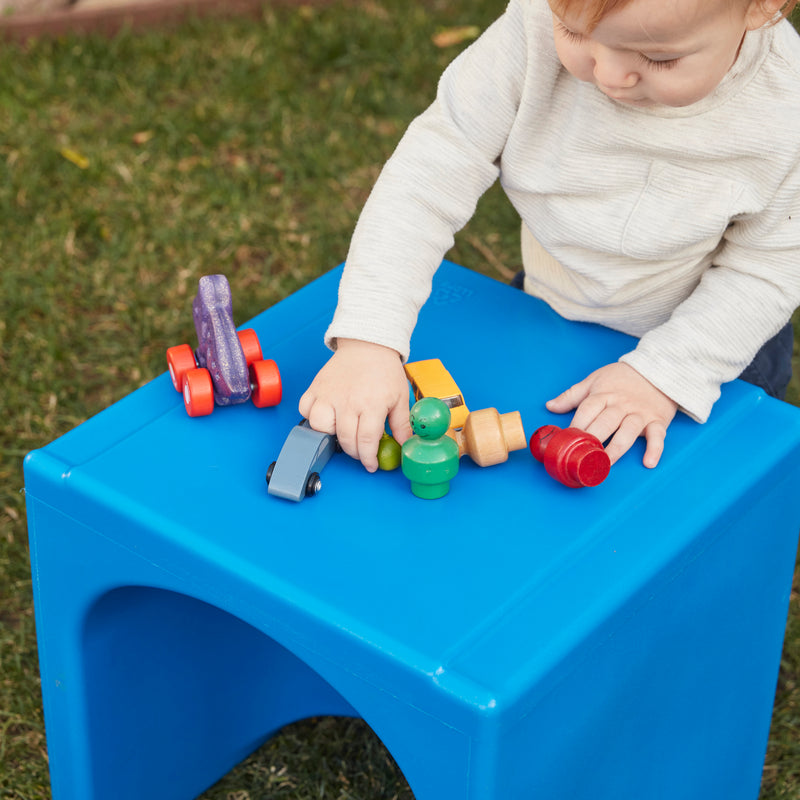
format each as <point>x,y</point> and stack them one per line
<point>313,484</point>
<point>270,469</point>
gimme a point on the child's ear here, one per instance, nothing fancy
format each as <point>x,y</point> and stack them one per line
<point>760,12</point>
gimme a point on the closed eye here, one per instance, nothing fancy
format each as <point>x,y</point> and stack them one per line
<point>667,63</point>
<point>569,35</point>
<point>655,64</point>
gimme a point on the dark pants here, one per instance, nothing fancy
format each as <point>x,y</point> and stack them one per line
<point>771,369</point>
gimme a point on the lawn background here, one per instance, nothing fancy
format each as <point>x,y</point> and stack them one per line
<point>131,166</point>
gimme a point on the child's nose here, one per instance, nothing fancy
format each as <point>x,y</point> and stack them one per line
<point>612,71</point>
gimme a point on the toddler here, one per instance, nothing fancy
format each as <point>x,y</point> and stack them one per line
<point>651,148</point>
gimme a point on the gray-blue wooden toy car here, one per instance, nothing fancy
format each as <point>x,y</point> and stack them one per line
<point>305,452</point>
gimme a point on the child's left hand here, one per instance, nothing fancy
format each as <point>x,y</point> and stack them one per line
<point>616,400</point>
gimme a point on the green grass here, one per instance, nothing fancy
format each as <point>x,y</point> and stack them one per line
<point>245,147</point>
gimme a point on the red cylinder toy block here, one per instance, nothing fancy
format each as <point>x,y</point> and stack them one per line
<point>570,455</point>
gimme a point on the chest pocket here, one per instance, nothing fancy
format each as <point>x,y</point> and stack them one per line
<point>679,212</point>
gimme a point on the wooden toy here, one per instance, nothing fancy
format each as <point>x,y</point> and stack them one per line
<point>305,452</point>
<point>227,368</point>
<point>429,456</point>
<point>429,378</point>
<point>488,436</point>
<point>389,453</point>
<point>570,455</point>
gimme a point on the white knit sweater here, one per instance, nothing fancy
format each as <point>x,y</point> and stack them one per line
<point>677,225</point>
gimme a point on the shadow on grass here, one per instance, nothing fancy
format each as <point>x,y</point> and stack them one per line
<point>334,757</point>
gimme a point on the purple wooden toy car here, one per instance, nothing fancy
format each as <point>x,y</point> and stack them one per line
<point>227,367</point>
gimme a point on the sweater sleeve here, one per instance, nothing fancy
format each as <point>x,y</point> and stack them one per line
<point>741,301</point>
<point>429,189</point>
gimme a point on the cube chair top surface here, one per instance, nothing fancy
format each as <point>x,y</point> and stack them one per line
<point>463,604</point>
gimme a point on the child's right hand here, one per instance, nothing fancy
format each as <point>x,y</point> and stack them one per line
<point>353,394</point>
<point>618,403</point>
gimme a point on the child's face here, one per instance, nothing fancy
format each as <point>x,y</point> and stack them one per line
<point>652,52</point>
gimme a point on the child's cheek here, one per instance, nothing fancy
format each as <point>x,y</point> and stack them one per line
<point>576,62</point>
<point>678,93</point>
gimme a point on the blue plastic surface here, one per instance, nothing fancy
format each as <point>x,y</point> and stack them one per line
<point>514,639</point>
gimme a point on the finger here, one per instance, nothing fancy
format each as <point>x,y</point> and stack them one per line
<point>593,412</point>
<point>569,398</point>
<point>347,433</point>
<point>370,430</point>
<point>398,421</point>
<point>305,404</point>
<point>629,430</point>
<point>655,434</point>
<point>614,425</point>
<point>321,416</point>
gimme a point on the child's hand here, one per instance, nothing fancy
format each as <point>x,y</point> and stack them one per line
<point>617,400</point>
<point>361,385</point>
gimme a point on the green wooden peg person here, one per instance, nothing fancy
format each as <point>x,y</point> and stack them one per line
<point>430,457</point>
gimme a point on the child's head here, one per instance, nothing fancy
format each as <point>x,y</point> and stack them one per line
<point>648,52</point>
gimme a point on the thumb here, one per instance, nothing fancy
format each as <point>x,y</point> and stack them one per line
<point>568,399</point>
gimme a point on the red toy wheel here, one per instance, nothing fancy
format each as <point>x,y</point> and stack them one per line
<point>252,349</point>
<point>180,360</point>
<point>265,383</point>
<point>198,393</point>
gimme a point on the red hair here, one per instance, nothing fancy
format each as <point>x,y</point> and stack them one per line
<point>592,11</point>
